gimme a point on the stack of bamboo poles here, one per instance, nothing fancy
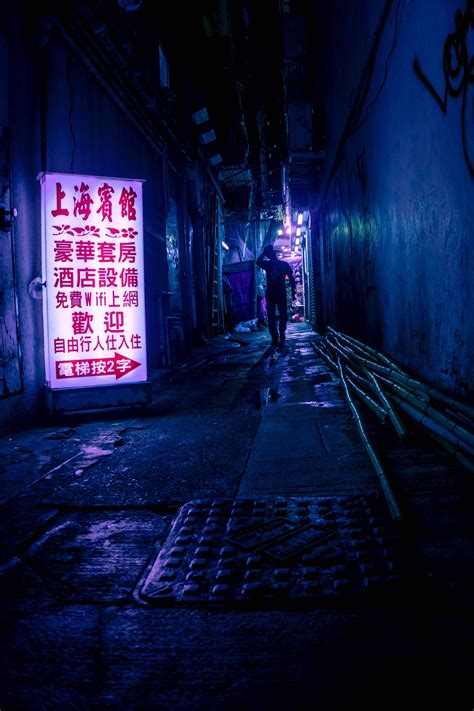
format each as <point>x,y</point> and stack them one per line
<point>383,386</point>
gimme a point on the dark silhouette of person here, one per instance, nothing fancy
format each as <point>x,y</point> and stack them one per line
<point>276,272</point>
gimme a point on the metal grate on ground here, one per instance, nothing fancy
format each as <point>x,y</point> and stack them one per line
<point>279,552</point>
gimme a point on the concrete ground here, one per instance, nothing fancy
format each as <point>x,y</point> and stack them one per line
<point>88,503</point>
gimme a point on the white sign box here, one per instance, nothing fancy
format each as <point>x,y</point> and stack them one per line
<point>94,310</point>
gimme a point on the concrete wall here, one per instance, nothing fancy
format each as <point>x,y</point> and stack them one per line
<point>24,81</point>
<point>396,215</point>
<point>88,133</point>
<point>81,129</point>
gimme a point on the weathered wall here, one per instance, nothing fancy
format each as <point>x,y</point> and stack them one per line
<point>24,81</point>
<point>88,133</point>
<point>81,129</point>
<point>396,215</point>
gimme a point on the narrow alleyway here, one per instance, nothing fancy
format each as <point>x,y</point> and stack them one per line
<point>367,611</point>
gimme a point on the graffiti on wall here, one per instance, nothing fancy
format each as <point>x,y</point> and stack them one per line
<point>458,71</point>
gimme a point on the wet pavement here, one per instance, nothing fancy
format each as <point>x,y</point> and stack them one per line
<point>230,548</point>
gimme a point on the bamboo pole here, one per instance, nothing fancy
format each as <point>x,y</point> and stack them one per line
<point>386,487</point>
<point>460,418</point>
<point>451,424</point>
<point>459,432</point>
<point>435,427</point>
<point>400,428</point>
<point>368,381</point>
<point>365,348</point>
<point>358,376</point>
<point>323,355</point>
<point>413,384</point>
<point>465,461</point>
<point>371,381</point>
<point>375,407</point>
<point>379,411</point>
<point>415,397</point>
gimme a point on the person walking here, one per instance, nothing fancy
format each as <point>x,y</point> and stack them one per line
<point>276,272</point>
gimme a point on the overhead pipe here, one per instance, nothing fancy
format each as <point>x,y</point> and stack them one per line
<point>78,37</point>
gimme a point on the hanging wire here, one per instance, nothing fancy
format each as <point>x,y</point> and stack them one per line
<point>386,68</point>
<point>355,118</point>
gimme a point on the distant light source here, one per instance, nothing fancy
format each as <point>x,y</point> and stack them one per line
<point>288,230</point>
<point>297,240</point>
<point>129,5</point>
<point>164,68</point>
<point>208,137</point>
<point>298,232</point>
<point>200,116</point>
<point>300,218</point>
<point>280,232</point>
<point>226,246</point>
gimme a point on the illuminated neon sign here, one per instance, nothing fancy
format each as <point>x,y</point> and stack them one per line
<point>94,306</point>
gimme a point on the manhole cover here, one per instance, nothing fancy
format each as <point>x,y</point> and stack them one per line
<point>248,551</point>
<point>291,537</point>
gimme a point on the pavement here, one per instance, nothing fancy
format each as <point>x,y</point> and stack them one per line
<point>139,567</point>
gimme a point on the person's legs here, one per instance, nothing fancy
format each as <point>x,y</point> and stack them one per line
<point>271,304</point>
<point>282,310</point>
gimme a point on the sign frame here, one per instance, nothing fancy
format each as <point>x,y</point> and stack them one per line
<point>97,230</point>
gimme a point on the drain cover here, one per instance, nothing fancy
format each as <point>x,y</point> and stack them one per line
<point>291,536</point>
<point>296,549</point>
